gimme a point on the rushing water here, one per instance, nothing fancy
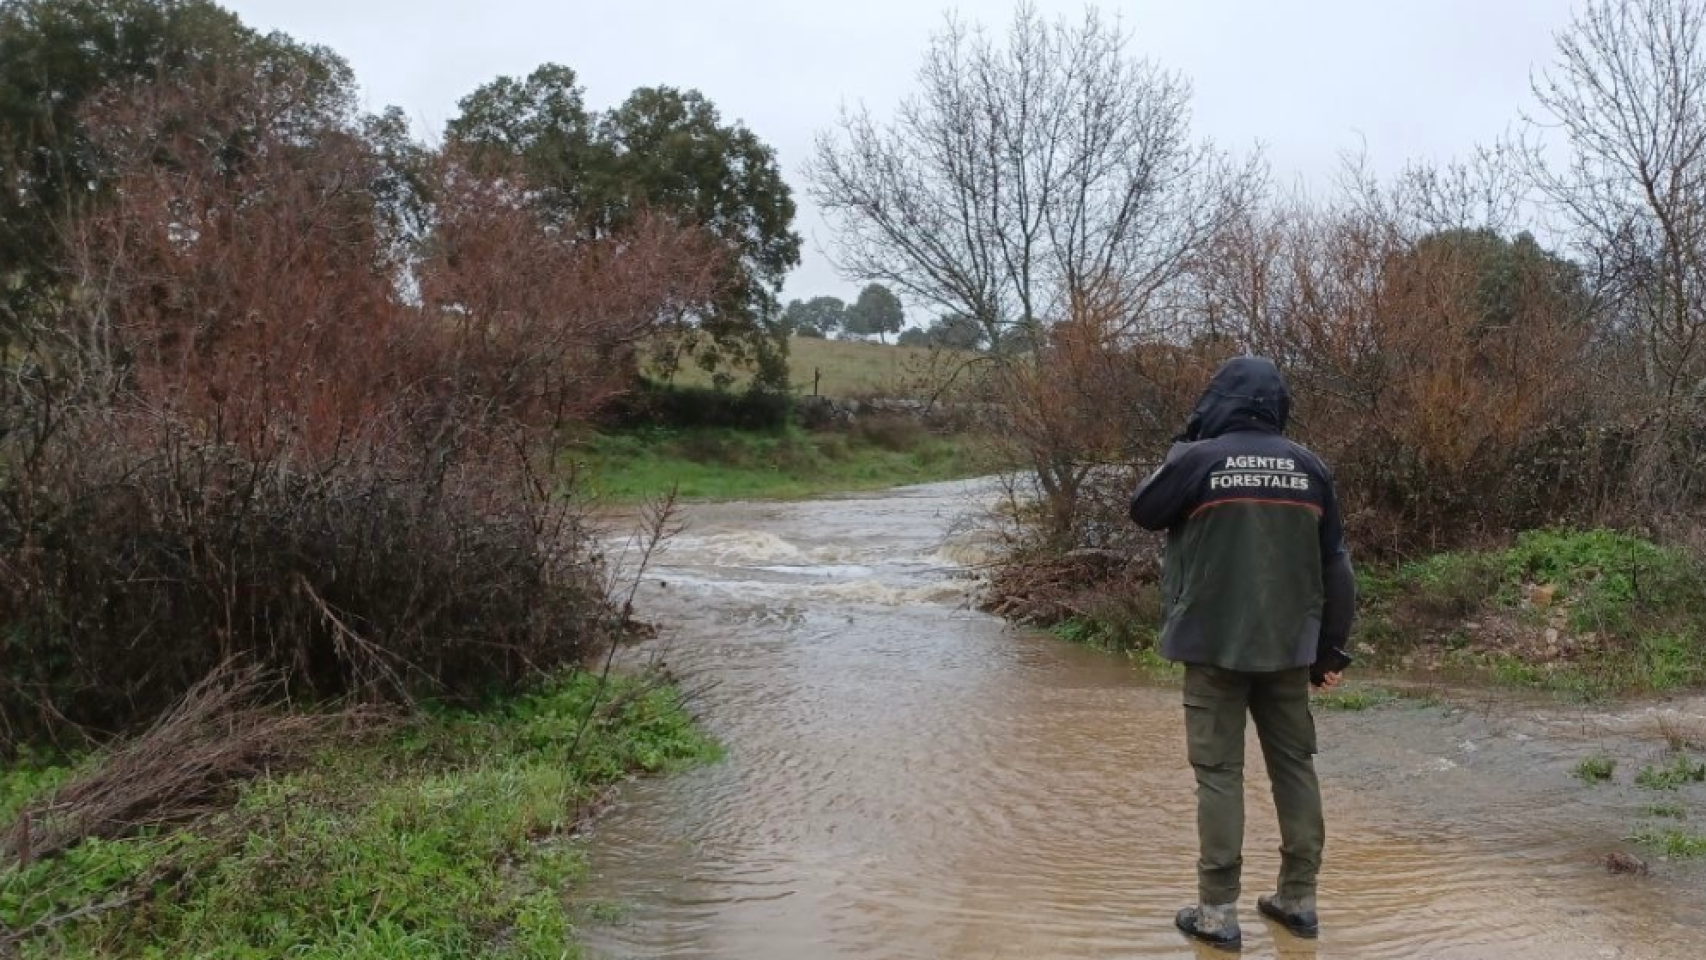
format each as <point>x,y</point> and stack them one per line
<point>908,778</point>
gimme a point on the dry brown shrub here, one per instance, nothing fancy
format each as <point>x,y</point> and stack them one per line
<point>1086,403</point>
<point>1103,586</point>
<point>1423,402</point>
<point>898,433</point>
<point>545,321</point>
<point>1445,371</point>
<point>259,432</point>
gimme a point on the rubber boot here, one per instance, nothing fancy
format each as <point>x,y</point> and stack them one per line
<point>1215,925</point>
<point>1298,915</point>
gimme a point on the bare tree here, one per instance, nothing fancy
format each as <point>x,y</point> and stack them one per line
<point>1046,187</point>
<point>1027,178</point>
<point>1628,92</point>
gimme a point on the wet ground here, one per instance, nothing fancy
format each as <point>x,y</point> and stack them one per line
<point>908,778</point>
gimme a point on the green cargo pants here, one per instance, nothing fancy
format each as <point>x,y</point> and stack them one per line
<point>1215,703</point>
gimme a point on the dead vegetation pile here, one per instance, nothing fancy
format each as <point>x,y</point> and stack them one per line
<point>227,730</point>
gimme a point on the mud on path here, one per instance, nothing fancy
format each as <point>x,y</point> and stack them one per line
<point>908,778</point>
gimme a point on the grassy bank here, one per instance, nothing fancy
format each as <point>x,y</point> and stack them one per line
<point>714,464</point>
<point>1134,639</point>
<point>1581,613</point>
<point>1587,613</point>
<point>448,837</point>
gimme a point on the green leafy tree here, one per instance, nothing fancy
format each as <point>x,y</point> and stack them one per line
<point>400,186</point>
<point>542,123</point>
<point>817,317</point>
<point>877,313</point>
<point>1516,275</point>
<point>956,331</point>
<point>57,54</point>
<point>662,149</point>
<point>951,331</point>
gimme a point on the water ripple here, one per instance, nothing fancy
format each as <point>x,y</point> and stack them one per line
<point>908,779</point>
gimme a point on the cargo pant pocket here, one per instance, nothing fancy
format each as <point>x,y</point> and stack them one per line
<point>1214,732</point>
<point>1284,718</point>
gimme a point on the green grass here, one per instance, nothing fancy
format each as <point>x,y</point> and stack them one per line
<point>1443,586</point>
<point>1673,843</point>
<point>1669,660</point>
<point>1131,629</point>
<point>1352,699</point>
<point>855,369</point>
<point>1668,811</point>
<point>450,838</point>
<point>1641,600</point>
<point>26,778</point>
<point>1681,771</point>
<point>1595,769</point>
<point>1604,674</point>
<point>1607,578</point>
<point>1133,637</point>
<point>734,465</point>
<point>1086,633</point>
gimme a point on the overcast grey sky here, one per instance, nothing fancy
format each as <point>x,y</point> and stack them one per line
<point>1306,79</point>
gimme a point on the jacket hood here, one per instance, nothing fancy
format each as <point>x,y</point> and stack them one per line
<point>1246,393</point>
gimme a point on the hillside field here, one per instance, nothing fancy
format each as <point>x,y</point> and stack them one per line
<point>858,369</point>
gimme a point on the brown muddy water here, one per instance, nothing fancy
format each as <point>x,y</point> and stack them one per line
<point>908,778</point>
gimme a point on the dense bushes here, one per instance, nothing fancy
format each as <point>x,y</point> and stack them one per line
<point>1448,417</point>
<point>1448,376</point>
<point>141,564</point>
<point>651,404</point>
<point>244,438</point>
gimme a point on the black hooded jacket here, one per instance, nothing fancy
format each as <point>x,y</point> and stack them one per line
<point>1257,577</point>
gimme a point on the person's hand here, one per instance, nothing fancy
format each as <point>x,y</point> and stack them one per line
<point>1329,681</point>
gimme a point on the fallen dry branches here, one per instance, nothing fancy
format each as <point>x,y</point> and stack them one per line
<point>187,765</point>
<point>1048,590</point>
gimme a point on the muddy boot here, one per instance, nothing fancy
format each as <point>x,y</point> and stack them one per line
<point>1298,915</point>
<point>1216,926</point>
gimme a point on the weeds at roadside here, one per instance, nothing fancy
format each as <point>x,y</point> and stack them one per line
<point>1667,811</point>
<point>1150,661</point>
<point>1444,587</point>
<point>1132,638</point>
<point>1682,771</point>
<point>1595,769</point>
<point>1355,699</point>
<point>1573,682</point>
<point>1673,843</point>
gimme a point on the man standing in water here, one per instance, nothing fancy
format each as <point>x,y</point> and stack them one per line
<point>1259,599</point>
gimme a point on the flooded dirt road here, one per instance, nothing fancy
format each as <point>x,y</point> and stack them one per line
<point>908,778</point>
